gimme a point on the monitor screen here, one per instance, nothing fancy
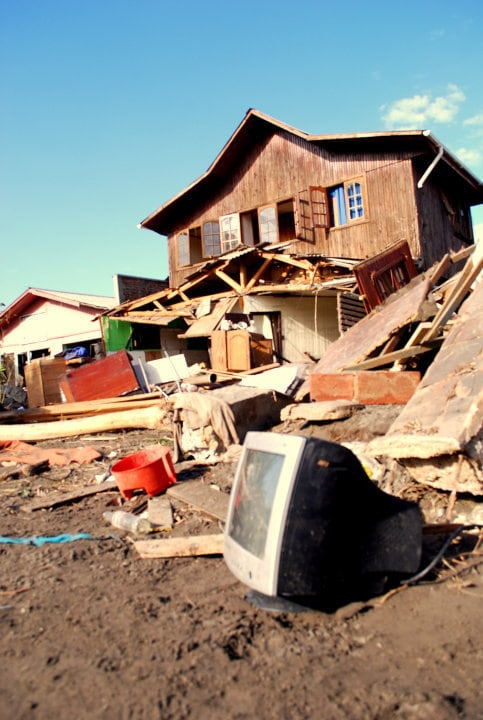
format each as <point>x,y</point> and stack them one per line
<point>253,502</point>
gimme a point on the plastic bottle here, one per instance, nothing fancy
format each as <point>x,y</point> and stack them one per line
<point>128,521</point>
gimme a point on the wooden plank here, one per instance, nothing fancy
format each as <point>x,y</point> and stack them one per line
<point>414,340</point>
<point>57,499</point>
<point>466,279</point>
<point>392,357</point>
<point>62,411</point>
<point>202,497</point>
<point>180,546</point>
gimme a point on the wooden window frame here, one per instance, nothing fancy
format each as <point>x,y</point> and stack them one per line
<point>183,250</point>
<point>260,210</point>
<point>319,206</point>
<point>232,243</point>
<point>206,253</point>
<point>311,212</point>
<point>345,185</point>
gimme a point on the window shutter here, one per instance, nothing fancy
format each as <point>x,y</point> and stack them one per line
<point>319,204</point>
<point>303,216</point>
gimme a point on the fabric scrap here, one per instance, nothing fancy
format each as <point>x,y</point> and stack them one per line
<point>38,541</point>
<point>25,453</point>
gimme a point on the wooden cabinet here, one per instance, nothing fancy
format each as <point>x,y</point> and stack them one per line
<point>239,350</point>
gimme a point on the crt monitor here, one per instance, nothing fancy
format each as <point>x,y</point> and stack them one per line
<point>305,520</point>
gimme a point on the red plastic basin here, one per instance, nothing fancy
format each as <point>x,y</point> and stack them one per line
<point>150,470</point>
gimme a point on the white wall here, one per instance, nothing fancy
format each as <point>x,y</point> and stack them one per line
<point>308,324</point>
<point>50,325</point>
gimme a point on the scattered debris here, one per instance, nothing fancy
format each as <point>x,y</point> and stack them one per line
<point>160,512</point>
<point>39,541</point>
<point>60,498</point>
<point>202,497</point>
<point>444,419</point>
<point>319,411</point>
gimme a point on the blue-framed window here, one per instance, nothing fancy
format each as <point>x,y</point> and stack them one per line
<point>347,203</point>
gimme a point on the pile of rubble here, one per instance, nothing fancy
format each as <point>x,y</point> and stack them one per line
<point>420,350</point>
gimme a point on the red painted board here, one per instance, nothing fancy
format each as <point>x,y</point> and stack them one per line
<point>109,377</point>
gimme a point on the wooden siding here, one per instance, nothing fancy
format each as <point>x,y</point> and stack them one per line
<point>435,227</point>
<point>283,165</point>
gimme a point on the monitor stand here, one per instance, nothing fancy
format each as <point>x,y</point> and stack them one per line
<point>274,604</point>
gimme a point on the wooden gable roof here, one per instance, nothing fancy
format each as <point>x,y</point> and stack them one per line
<point>256,127</point>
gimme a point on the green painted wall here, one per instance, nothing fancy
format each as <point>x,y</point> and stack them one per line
<point>116,334</point>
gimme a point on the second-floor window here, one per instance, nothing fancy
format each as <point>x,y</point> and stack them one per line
<point>268,224</point>
<point>347,203</point>
<point>211,238</point>
<point>230,232</point>
<point>183,248</point>
<point>188,246</point>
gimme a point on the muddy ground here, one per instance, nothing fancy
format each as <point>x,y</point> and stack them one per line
<point>91,630</point>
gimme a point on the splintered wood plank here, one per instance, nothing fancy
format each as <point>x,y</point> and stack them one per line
<point>372,332</point>
<point>57,499</point>
<point>466,278</point>
<point>392,357</point>
<point>151,418</point>
<point>181,546</point>
<point>202,497</point>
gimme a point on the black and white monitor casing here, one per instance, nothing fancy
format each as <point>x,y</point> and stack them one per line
<point>305,520</point>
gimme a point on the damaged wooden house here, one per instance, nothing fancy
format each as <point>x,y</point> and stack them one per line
<point>269,250</point>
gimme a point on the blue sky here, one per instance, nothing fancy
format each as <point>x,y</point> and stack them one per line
<point>108,108</point>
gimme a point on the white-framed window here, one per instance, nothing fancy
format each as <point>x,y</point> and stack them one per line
<point>188,246</point>
<point>211,238</point>
<point>230,232</point>
<point>183,248</point>
<point>268,224</point>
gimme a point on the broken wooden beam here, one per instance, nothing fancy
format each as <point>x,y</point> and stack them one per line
<point>62,411</point>
<point>180,546</point>
<point>404,353</point>
<point>59,498</point>
<point>466,279</point>
<point>149,417</point>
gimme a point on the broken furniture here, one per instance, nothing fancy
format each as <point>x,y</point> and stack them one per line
<point>238,350</point>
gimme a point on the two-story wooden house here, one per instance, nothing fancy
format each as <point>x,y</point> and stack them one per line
<point>271,231</point>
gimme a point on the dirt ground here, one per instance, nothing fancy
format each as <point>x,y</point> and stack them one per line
<point>91,630</point>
